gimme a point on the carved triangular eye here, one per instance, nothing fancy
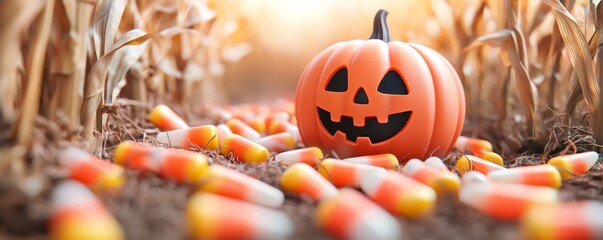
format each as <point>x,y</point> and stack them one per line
<point>339,81</point>
<point>392,83</point>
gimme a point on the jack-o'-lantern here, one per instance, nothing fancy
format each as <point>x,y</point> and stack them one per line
<point>375,96</point>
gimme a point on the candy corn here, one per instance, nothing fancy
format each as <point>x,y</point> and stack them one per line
<point>350,215</point>
<point>77,214</point>
<point>505,201</point>
<point>386,161</point>
<point>258,124</point>
<point>472,145</point>
<point>443,182</point>
<point>399,194</point>
<point>472,163</point>
<point>239,127</point>
<point>574,164</point>
<point>279,142</point>
<point>165,119</point>
<point>574,220</point>
<point>436,163</point>
<point>221,113</point>
<point>100,175</point>
<point>346,174</point>
<point>244,149</point>
<point>211,216</point>
<point>473,177</point>
<point>302,179</point>
<point>177,165</point>
<point>539,175</point>
<point>205,137</point>
<point>280,125</point>
<point>223,131</point>
<point>233,184</point>
<point>310,156</point>
<point>276,115</point>
<point>480,148</point>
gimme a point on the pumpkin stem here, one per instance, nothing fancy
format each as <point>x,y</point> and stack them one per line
<point>380,29</point>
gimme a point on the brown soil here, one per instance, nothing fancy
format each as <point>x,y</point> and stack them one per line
<point>153,208</point>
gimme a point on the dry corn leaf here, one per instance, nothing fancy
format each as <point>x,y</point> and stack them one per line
<point>526,91</point>
<point>581,60</point>
<point>119,65</point>
<point>106,21</point>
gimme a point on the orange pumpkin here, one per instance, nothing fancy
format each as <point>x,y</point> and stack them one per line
<point>365,97</point>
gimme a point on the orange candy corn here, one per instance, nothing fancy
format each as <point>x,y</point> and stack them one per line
<point>279,142</point>
<point>177,165</point>
<point>100,175</point>
<point>280,125</point>
<point>386,161</point>
<point>77,214</point>
<point>221,113</point>
<point>539,175</point>
<point>574,164</point>
<point>566,221</point>
<point>244,149</point>
<point>347,174</point>
<point>223,131</point>
<point>472,163</point>
<point>350,215</point>
<point>276,115</point>
<point>480,148</point>
<point>506,201</point>
<point>436,163</point>
<point>205,137</point>
<point>165,119</point>
<point>239,127</point>
<point>399,194</point>
<point>258,124</point>
<point>233,184</point>
<point>472,145</point>
<point>302,179</point>
<point>443,182</point>
<point>310,156</point>
<point>211,216</point>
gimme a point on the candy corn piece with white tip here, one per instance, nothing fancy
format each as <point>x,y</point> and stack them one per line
<point>210,216</point>
<point>350,215</point>
<point>98,174</point>
<point>436,163</point>
<point>165,119</point>
<point>574,164</point>
<point>399,194</point>
<point>77,214</point>
<point>279,142</point>
<point>473,177</point>
<point>506,201</point>
<point>472,145</point>
<point>347,174</point>
<point>386,161</point>
<point>310,156</point>
<point>480,148</point>
<point>239,127</point>
<point>565,221</point>
<point>302,179</point>
<point>443,182</point>
<point>177,165</point>
<point>280,125</point>
<point>204,137</point>
<point>223,131</point>
<point>231,183</point>
<point>538,175</point>
<point>472,163</point>
<point>276,115</point>
<point>258,124</point>
<point>244,149</point>
<point>221,113</point>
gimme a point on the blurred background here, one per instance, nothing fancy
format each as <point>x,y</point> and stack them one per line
<point>284,35</point>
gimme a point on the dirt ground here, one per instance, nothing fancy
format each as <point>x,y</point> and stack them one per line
<point>153,208</point>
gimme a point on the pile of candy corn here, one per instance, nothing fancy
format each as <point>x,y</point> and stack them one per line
<point>356,198</point>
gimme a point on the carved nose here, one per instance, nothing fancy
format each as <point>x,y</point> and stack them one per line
<point>361,97</point>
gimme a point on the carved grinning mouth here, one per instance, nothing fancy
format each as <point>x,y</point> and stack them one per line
<point>375,131</point>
